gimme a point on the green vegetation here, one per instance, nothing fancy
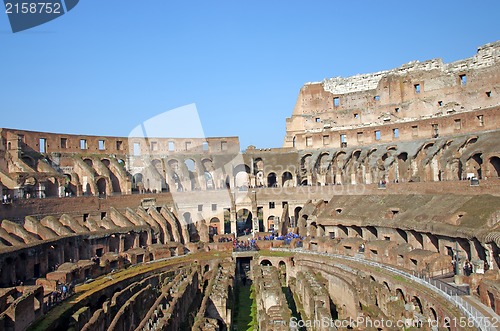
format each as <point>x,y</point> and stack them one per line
<point>265,252</point>
<point>245,309</point>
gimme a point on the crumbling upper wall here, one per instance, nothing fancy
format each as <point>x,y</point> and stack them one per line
<point>412,92</point>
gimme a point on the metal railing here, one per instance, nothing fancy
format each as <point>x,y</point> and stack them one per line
<point>473,316</point>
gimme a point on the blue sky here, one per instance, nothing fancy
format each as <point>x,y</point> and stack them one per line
<point>109,65</point>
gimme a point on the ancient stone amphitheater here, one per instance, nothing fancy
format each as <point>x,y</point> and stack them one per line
<point>380,212</point>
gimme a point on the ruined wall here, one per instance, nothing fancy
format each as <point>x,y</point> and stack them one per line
<point>412,92</point>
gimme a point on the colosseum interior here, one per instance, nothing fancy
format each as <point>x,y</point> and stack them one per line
<point>380,212</point>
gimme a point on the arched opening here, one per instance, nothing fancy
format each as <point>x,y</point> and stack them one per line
<point>266,263</point>
<point>270,223</point>
<point>433,314</point>
<point>115,183</point>
<point>137,183</point>
<point>191,166</point>
<point>287,179</point>
<point>417,304</point>
<point>214,227</point>
<point>69,186</point>
<point>191,227</point>
<point>296,213</point>
<point>258,165</point>
<point>474,165</point>
<point>89,162</point>
<point>494,166</point>
<point>208,172</point>
<point>158,165</point>
<point>400,295</point>
<point>271,180</point>
<point>241,176</point>
<point>322,169</point>
<point>243,222</point>
<point>176,178</point>
<point>305,165</point>
<point>101,186</point>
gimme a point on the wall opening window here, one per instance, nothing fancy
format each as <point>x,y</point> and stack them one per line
<point>83,143</point>
<point>271,204</point>
<point>205,146</point>
<point>43,145</point>
<point>417,88</point>
<point>309,141</point>
<point>343,140</point>
<point>214,207</point>
<point>395,133</point>
<point>102,145</point>
<point>294,142</point>
<point>488,94</point>
<point>440,103</point>
<point>435,130</point>
<point>377,135</point>
<point>480,120</point>
<point>317,120</point>
<point>376,98</point>
<point>414,130</point>
<point>397,110</point>
<point>188,145</point>
<point>154,145</point>
<point>137,149</point>
<point>171,146</point>
<point>356,115</point>
<point>360,136</point>
<point>64,142</point>
<point>458,124</point>
<point>119,145</point>
<point>326,140</point>
<point>463,79</point>
<point>336,101</point>
<point>200,207</point>
<point>223,145</point>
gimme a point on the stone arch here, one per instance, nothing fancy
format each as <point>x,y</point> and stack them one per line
<point>417,303</point>
<point>115,182</point>
<point>322,168</point>
<point>296,214</point>
<point>270,223</point>
<point>494,166</point>
<point>433,314</point>
<point>89,162</point>
<point>101,186</point>
<point>215,226</point>
<point>271,180</point>
<point>70,188</point>
<point>265,262</point>
<point>339,163</point>
<point>306,169</point>
<point>258,165</point>
<point>241,176</point>
<point>208,173</point>
<point>158,166</point>
<point>474,165</point>
<point>400,294</point>
<point>192,173</point>
<point>243,221</point>
<point>176,175</point>
<point>137,182</point>
<point>287,179</point>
